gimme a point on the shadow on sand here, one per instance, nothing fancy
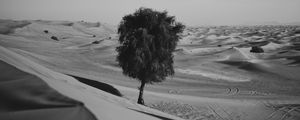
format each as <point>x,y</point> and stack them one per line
<point>160,117</point>
<point>99,85</point>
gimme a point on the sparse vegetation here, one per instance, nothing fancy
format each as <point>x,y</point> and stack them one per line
<point>256,49</point>
<point>96,42</point>
<point>46,31</point>
<point>54,38</point>
<point>147,40</point>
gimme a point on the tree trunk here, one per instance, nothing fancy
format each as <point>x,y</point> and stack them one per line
<point>140,99</point>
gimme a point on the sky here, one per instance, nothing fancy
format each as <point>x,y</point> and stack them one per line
<point>189,12</point>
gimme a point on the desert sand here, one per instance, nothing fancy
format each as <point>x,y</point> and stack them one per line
<point>216,75</point>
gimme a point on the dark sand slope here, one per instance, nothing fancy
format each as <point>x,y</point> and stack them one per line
<point>32,92</point>
<point>27,97</point>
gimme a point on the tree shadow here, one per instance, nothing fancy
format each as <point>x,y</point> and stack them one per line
<point>99,85</point>
<point>160,117</point>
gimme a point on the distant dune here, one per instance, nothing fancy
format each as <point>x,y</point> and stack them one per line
<point>272,23</point>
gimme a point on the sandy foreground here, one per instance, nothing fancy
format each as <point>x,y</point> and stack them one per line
<point>217,77</point>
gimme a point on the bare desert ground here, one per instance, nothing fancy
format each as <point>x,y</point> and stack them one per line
<point>220,71</point>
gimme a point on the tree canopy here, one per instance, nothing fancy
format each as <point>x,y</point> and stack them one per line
<point>147,40</point>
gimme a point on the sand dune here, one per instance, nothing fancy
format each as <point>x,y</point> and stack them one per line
<point>99,30</point>
<point>31,98</point>
<point>92,98</point>
<point>216,75</point>
<point>8,26</point>
<point>238,54</point>
<point>273,46</point>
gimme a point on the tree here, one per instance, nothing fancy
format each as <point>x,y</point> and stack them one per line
<point>147,39</point>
